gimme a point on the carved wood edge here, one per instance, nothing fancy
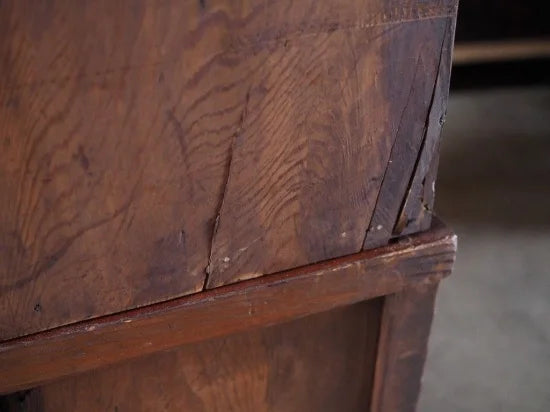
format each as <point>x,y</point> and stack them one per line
<point>413,261</point>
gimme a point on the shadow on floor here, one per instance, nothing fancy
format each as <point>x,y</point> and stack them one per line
<point>490,343</point>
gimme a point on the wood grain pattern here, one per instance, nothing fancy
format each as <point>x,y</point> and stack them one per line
<point>311,191</point>
<point>405,327</point>
<point>320,363</point>
<point>417,206</point>
<point>405,199</point>
<point>151,149</point>
<point>420,259</point>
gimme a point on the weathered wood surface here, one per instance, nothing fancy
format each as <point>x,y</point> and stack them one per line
<point>415,260</point>
<point>324,362</point>
<point>405,199</point>
<point>404,331</point>
<point>151,149</point>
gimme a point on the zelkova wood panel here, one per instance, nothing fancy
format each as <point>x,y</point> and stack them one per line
<point>151,149</point>
<point>324,362</point>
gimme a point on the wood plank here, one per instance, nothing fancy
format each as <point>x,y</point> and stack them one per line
<point>146,143</point>
<point>501,50</point>
<point>417,205</point>
<point>400,205</point>
<point>29,361</point>
<point>322,362</point>
<point>404,331</point>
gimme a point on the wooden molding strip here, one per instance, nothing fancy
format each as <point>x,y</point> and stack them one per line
<point>35,359</point>
<point>495,51</point>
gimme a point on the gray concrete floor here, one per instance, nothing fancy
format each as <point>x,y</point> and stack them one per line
<point>490,344</point>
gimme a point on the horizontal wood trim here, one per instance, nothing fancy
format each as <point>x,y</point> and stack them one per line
<point>494,51</point>
<point>42,357</point>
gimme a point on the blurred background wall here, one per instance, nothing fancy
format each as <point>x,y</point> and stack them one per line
<point>490,345</point>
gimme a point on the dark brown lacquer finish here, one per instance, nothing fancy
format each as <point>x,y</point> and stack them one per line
<point>320,363</point>
<point>417,260</point>
<point>154,149</point>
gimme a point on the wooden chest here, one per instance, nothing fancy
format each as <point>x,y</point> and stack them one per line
<point>190,192</point>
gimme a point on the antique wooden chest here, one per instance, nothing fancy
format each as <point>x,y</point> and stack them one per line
<point>213,204</point>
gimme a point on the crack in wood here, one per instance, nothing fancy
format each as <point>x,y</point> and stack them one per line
<point>208,270</point>
<point>425,153</point>
<point>390,158</point>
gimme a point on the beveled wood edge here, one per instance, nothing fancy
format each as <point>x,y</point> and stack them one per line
<point>414,260</point>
